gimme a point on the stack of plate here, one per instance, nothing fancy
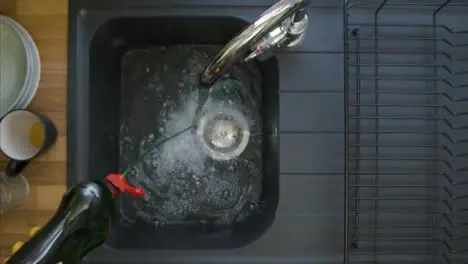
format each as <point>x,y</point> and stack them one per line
<point>20,66</point>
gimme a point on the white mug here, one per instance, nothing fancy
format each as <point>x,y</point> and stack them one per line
<point>24,135</point>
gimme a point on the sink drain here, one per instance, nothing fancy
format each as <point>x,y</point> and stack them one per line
<point>224,133</point>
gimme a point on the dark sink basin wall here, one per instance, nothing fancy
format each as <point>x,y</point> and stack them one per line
<point>110,42</point>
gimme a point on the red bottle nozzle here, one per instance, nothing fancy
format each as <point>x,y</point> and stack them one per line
<point>118,185</point>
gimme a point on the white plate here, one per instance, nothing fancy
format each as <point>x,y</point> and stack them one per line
<point>13,67</point>
<point>34,66</point>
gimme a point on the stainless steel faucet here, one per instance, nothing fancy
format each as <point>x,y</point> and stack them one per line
<point>282,26</point>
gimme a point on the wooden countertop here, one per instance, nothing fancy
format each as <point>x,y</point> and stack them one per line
<point>46,21</point>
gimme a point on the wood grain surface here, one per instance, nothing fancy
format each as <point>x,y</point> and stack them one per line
<point>46,21</point>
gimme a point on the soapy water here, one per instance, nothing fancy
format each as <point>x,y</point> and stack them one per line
<point>183,183</point>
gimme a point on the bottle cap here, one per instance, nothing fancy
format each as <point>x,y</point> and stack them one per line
<point>118,185</point>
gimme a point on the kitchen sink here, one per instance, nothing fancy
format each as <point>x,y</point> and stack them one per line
<point>110,43</point>
<point>301,214</point>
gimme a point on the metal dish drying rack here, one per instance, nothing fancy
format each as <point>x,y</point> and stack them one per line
<point>407,131</point>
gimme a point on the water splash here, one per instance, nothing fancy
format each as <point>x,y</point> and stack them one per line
<point>161,91</point>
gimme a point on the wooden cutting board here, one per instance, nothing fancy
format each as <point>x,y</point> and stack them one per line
<point>46,21</point>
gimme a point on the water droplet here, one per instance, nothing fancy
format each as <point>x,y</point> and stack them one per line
<point>83,12</point>
<point>226,194</point>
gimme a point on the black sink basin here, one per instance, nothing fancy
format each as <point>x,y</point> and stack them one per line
<point>100,125</point>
